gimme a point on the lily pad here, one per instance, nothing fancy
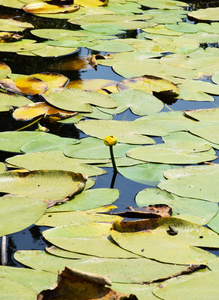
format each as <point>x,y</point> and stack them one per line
<point>9,101</point>
<point>173,153</point>
<point>172,4</point>
<point>43,184</point>
<point>40,7</point>
<point>193,210</point>
<point>13,25</point>
<point>110,46</point>
<point>210,14</point>
<point>53,160</point>
<point>125,131</point>
<point>16,290</point>
<point>80,100</point>
<point>21,211</point>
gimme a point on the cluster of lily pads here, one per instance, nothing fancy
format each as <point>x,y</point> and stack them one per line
<point>48,180</point>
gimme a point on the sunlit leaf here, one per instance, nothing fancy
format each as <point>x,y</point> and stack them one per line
<point>215,78</point>
<point>125,131</point>
<point>5,70</point>
<point>89,199</point>
<point>163,30</point>
<point>159,244</point>
<point>89,3</point>
<point>40,7</point>
<point>173,153</point>
<point>172,4</point>
<point>9,101</point>
<point>18,213</point>
<point>90,84</point>
<point>13,25</point>
<point>204,115</point>
<point>193,210</point>
<point>53,160</point>
<point>210,14</point>
<point>43,184</point>
<point>53,51</point>
<point>79,100</point>
<point>110,46</point>
<point>16,290</point>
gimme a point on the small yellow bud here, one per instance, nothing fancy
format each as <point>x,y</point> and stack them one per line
<point>110,140</point>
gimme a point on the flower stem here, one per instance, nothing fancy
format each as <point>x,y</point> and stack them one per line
<point>113,159</point>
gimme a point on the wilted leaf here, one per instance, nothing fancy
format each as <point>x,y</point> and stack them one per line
<point>43,184</point>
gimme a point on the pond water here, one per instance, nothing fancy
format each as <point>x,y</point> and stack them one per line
<point>31,238</point>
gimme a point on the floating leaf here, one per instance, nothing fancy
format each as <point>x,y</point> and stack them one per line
<point>16,290</point>
<point>4,70</point>
<point>209,133</point>
<point>89,199</point>
<point>193,210</point>
<point>80,100</point>
<point>110,46</point>
<point>173,153</point>
<point>204,115</point>
<point>13,25</point>
<point>53,160</point>
<point>89,3</point>
<point>84,239</point>
<point>163,30</point>
<point>53,51</point>
<point>149,84</point>
<point>40,7</point>
<point>203,186</point>
<point>163,4</point>
<point>215,78</point>
<point>43,184</point>
<point>33,110</point>
<point>150,174</point>
<point>90,84</point>
<point>104,28</point>
<point>139,102</point>
<point>125,131</point>
<point>9,101</point>
<point>135,270</point>
<point>21,211</point>
<point>210,14</point>
<point>158,243</point>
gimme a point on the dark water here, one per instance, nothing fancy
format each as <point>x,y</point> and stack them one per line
<point>31,238</point>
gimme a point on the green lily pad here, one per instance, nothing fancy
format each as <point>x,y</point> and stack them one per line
<point>192,95</point>
<point>158,244</point>
<point>8,101</point>
<point>204,115</point>
<point>55,34</point>
<point>89,199</point>
<point>193,210</point>
<point>14,141</point>
<point>42,184</point>
<point>214,223</point>
<point>53,160</point>
<point>135,270</point>
<point>150,174</point>
<point>13,25</point>
<point>110,46</point>
<point>125,131</point>
<point>80,100</point>
<point>104,28</point>
<point>183,27</point>
<point>172,4</point>
<point>34,280</point>
<point>209,133</point>
<point>173,153</point>
<point>215,78</point>
<point>93,148</point>
<point>210,14</point>
<point>84,239</point>
<point>139,102</point>
<point>18,213</point>
<point>193,286</point>
<point>54,51</point>
<point>203,186</point>
<point>163,30</point>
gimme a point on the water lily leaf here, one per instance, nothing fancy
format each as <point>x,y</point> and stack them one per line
<point>80,100</point>
<point>140,103</point>
<point>53,80</point>
<point>173,153</point>
<point>26,85</point>
<point>194,286</point>
<point>204,115</point>
<point>53,51</point>
<point>9,101</point>
<point>215,78</point>
<point>53,160</point>
<point>140,290</point>
<point>5,70</point>
<point>16,290</point>
<point>34,280</point>
<point>124,8</point>
<point>13,141</point>
<point>153,242</point>
<point>33,110</point>
<point>210,14</point>
<point>57,34</point>
<point>163,4</point>
<point>89,3</point>
<point>193,210</point>
<point>201,186</point>
<point>63,253</point>
<point>125,131</point>
<point>93,148</point>
<point>163,30</point>
<point>74,217</point>
<point>83,239</point>
<point>2,167</point>
<point>89,199</point>
<point>150,174</point>
<point>144,269</point>
<point>14,25</point>
<point>207,66</point>
<point>209,133</point>
<point>43,184</point>
<point>109,46</point>
<point>18,46</point>
<point>41,7</point>
<point>192,95</point>
<point>183,27</point>
<point>90,84</point>
<point>104,28</point>
<point>202,86</point>
<point>214,223</point>
<point>184,136</point>
<point>149,84</point>
<point>21,211</point>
